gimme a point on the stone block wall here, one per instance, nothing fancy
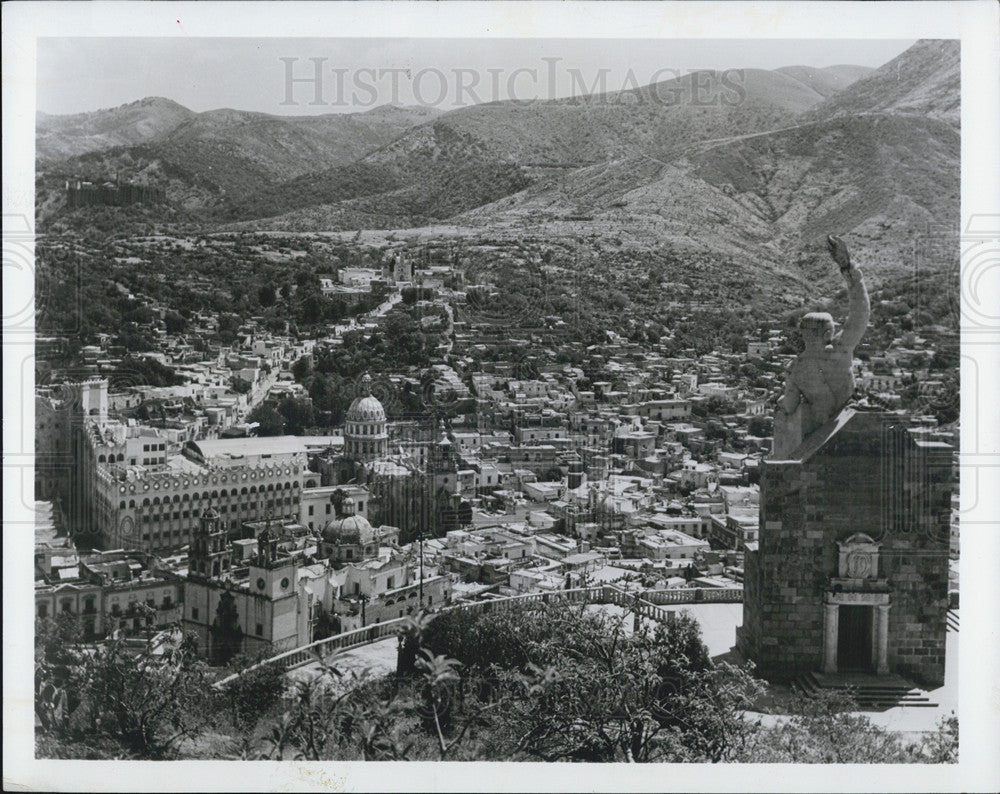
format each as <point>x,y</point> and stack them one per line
<point>870,476</point>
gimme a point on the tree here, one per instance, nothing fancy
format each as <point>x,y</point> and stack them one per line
<point>575,686</point>
<point>327,625</point>
<point>826,729</point>
<point>228,325</point>
<point>535,682</point>
<point>553,474</point>
<point>306,279</point>
<point>297,413</point>
<point>940,747</point>
<point>226,634</point>
<point>761,426</point>
<point>254,693</point>
<point>302,369</point>
<point>270,422</point>
<point>239,385</point>
<point>135,370</point>
<point>311,308</point>
<point>135,338</point>
<point>945,357</point>
<point>713,406</point>
<point>946,405</point>
<point>140,703</point>
<point>175,322</point>
<point>266,295</point>
<point>716,431</point>
<point>337,500</point>
<point>55,639</point>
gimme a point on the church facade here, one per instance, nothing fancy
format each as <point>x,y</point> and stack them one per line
<point>262,595</point>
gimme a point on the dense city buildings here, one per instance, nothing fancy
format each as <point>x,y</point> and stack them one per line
<point>277,485</point>
<point>654,471</point>
<point>474,480</point>
<point>132,491</point>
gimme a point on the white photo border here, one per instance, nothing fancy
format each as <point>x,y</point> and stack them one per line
<point>974,23</point>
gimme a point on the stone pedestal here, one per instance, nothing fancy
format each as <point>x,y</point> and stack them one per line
<point>858,518</point>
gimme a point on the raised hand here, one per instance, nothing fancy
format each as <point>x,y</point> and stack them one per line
<point>838,250</point>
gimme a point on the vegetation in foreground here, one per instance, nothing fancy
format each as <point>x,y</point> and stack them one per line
<point>549,683</point>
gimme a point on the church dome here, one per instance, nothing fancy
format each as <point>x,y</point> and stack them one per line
<point>349,531</point>
<point>366,408</point>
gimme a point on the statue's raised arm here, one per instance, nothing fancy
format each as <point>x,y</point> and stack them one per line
<point>820,381</point>
<point>860,306</point>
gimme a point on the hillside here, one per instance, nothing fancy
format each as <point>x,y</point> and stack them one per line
<point>141,122</point>
<point>657,118</point>
<point>924,80</point>
<point>478,154</point>
<point>829,79</point>
<point>433,172</point>
<point>285,147</point>
<point>203,159</point>
<point>753,167</point>
<point>879,179</point>
<point>768,199</point>
<point>402,165</point>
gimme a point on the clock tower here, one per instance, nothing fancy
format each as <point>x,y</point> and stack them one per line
<point>273,574</point>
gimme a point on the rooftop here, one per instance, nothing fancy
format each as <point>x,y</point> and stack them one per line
<point>251,446</point>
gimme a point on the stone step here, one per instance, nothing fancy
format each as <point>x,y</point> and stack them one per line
<point>885,690</point>
<point>910,697</point>
<point>870,687</point>
<point>861,695</point>
<point>806,684</point>
<point>868,696</point>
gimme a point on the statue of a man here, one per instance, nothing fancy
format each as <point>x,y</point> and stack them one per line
<point>821,381</point>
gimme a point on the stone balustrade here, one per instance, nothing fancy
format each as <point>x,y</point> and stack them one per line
<point>648,603</point>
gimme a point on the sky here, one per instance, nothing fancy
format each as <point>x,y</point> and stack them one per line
<point>315,76</point>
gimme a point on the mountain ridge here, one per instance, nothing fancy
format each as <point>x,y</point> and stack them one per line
<point>924,79</point>
<point>282,148</point>
<point>880,173</point>
<point>871,168</point>
<point>755,171</point>
<point>659,119</point>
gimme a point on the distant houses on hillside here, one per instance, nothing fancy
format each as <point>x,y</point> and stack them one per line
<point>112,194</point>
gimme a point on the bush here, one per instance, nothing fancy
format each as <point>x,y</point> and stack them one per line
<point>575,686</point>
<point>537,682</point>
<point>124,703</point>
<point>253,694</point>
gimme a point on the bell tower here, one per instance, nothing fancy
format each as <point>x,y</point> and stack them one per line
<point>273,574</point>
<point>210,556</point>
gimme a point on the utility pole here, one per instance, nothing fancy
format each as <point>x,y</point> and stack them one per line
<point>363,598</point>
<point>431,498</point>
<point>424,512</point>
